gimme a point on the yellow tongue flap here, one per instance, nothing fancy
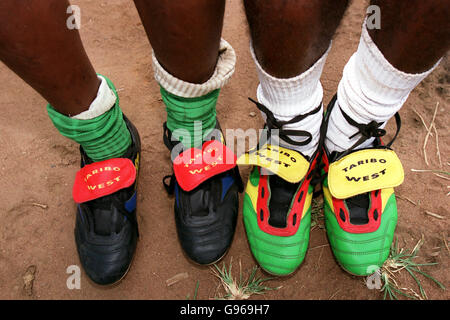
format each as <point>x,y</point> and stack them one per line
<point>364,171</point>
<point>287,164</point>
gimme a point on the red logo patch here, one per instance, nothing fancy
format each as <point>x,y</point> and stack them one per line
<point>194,166</point>
<point>103,178</point>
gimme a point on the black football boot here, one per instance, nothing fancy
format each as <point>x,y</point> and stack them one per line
<point>106,230</point>
<point>206,216</point>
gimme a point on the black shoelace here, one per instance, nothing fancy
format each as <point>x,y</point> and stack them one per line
<point>370,130</point>
<point>283,134</point>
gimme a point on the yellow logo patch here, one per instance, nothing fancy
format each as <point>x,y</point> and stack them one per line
<point>287,164</point>
<point>364,171</point>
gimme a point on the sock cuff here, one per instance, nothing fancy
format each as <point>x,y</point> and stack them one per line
<point>371,88</point>
<point>105,100</point>
<point>381,71</point>
<point>103,137</point>
<point>288,97</point>
<point>224,70</point>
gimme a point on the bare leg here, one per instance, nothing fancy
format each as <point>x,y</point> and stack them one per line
<point>37,45</point>
<point>414,34</point>
<point>290,36</point>
<point>184,35</point>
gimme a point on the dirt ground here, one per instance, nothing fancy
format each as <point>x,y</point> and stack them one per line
<point>38,166</point>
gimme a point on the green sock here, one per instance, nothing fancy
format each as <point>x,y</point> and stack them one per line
<point>184,113</point>
<point>102,138</point>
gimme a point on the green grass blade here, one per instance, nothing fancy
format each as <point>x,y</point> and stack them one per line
<point>430,277</point>
<point>196,290</point>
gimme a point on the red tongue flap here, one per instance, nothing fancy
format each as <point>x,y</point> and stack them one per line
<point>194,166</point>
<point>103,178</point>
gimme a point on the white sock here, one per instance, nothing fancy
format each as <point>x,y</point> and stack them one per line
<point>104,101</point>
<point>288,98</point>
<point>371,89</point>
<point>224,70</point>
